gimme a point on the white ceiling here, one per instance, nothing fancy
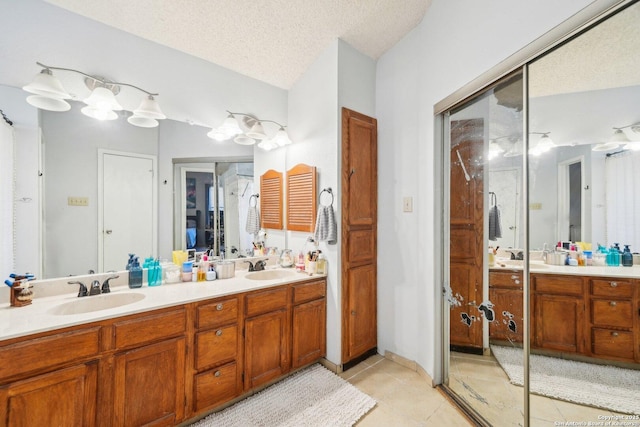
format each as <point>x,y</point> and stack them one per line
<point>273,41</point>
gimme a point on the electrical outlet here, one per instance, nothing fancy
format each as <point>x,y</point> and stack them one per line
<point>77,201</point>
<point>407,204</point>
<point>535,206</point>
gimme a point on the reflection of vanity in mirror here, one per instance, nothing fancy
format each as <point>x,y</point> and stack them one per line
<point>580,171</point>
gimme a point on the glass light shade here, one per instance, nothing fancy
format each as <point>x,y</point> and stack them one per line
<point>99,114</point>
<point>47,103</point>
<point>606,146</point>
<point>217,134</point>
<point>150,109</point>
<point>244,140</point>
<point>282,138</point>
<point>619,137</point>
<point>633,146</point>
<point>103,99</point>
<point>257,131</point>
<point>268,144</point>
<point>143,122</point>
<point>545,144</point>
<point>230,126</point>
<point>46,84</point>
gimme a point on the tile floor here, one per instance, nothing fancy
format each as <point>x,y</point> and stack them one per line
<point>481,382</point>
<point>405,399</point>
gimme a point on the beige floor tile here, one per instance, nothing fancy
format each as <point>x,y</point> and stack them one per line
<point>375,383</point>
<point>447,415</point>
<point>374,359</point>
<point>414,403</point>
<point>574,412</point>
<point>544,409</point>
<point>382,416</point>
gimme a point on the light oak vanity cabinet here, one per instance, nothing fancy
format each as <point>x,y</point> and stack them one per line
<point>505,292</point>
<point>218,349</point>
<point>614,316</point>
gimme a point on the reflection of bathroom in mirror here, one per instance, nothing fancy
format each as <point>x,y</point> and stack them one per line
<point>211,205</point>
<point>583,96</point>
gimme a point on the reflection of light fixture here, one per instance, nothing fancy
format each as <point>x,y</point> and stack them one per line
<point>494,149</point>
<point>545,143</point>
<point>101,103</point>
<point>230,128</point>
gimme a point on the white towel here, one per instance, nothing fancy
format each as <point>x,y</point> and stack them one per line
<point>253,220</point>
<point>326,228</point>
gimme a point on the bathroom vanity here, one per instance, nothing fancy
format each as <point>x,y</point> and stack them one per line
<point>590,311</point>
<point>183,350</point>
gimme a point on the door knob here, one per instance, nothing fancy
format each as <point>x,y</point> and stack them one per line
<point>108,231</point>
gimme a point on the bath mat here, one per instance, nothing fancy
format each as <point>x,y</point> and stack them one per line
<point>600,386</point>
<point>312,397</point>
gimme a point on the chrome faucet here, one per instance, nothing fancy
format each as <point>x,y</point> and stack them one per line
<point>105,285</point>
<point>82,292</point>
<point>258,266</point>
<point>95,288</point>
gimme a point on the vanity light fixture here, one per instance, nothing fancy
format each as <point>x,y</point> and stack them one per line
<point>101,104</point>
<point>619,137</point>
<point>545,143</point>
<point>231,128</point>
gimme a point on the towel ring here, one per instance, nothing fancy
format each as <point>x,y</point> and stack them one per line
<point>326,190</point>
<point>254,197</point>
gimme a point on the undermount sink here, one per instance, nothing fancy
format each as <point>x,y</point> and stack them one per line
<point>270,274</point>
<point>96,303</point>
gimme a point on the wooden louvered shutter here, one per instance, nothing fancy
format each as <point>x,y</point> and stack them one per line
<point>301,198</point>
<point>271,200</point>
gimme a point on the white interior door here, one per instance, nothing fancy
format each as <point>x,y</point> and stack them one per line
<point>128,203</point>
<point>505,183</point>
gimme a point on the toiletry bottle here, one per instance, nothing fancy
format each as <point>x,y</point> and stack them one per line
<point>321,267</point>
<point>202,269</point>
<point>135,274</point>
<point>627,257</point>
<point>187,268</point>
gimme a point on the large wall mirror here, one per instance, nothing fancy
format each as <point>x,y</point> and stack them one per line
<point>533,341</point>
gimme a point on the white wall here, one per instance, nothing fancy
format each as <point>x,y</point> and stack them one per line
<point>455,43</point>
<point>340,77</point>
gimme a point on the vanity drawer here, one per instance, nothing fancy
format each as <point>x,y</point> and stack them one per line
<point>264,302</point>
<point>49,351</point>
<point>612,288</point>
<point>612,313</point>
<point>309,291</point>
<point>215,346</point>
<point>608,342</point>
<point>560,285</point>
<point>216,386</point>
<point>149,328</point>
<point>505,279</point>
<point>217,313</point>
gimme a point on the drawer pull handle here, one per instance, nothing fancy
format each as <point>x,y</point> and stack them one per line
<point>614,334</point>
<point>614,284</point>
<point>219,332</point>
<point>219,307</point>
<point>613,303</point>
<point>217,374</point>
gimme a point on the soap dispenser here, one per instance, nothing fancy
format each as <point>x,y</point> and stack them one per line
<point>135,274</point>
<point>627,257</point>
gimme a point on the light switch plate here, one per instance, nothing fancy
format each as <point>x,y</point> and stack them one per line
<point>77,201</point>
<point>407,204</point>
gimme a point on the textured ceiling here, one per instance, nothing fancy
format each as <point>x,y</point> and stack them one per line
<point>274,41</point>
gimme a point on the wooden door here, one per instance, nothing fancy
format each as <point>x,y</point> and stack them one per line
<point>62,398</point>
<point>309,332</point>
<point>149,385</point>
<point>466,233</point>
<point>359,234</point>
<point>266,348</point>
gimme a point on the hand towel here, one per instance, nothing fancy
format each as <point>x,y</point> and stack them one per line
<point>253,220</point>
<point>495,228</point>
<point>326,228</point>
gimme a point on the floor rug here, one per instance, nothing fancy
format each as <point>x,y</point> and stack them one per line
<point>312,397</point>
<point>601,386</point>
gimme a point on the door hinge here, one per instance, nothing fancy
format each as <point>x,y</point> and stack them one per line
<point>242,376</point>
<point>242,332</point>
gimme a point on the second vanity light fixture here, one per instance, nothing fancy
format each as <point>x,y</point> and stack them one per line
<point>618,138</point>
<point>231,128</point>
<point>48,94</point>
<point>514,145</point>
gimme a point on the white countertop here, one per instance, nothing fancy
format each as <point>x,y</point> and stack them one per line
<point>541,268</point>
<point>39,317</point>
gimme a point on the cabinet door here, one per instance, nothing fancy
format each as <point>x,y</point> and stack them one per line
<point>149,385</point>
<point>309,332</point>
<point>559,323</point>
<point>508,307</point>
<point>62,398</point>
<point>266,348</point>
<point>361,311</point>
